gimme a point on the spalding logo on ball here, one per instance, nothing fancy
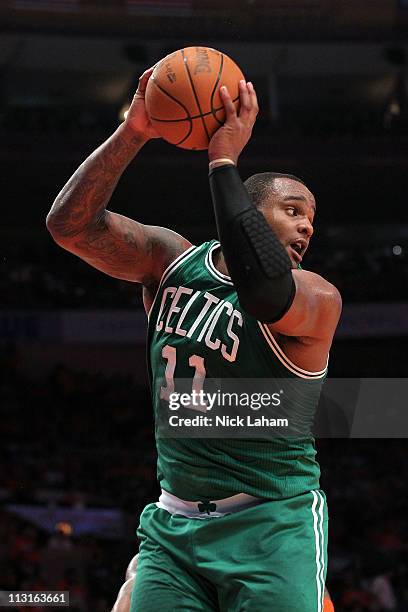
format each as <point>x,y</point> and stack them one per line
<point>183,95</point>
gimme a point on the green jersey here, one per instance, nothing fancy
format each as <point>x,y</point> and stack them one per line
<point>198,328</point>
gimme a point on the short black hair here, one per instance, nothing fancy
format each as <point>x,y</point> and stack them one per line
<point>259,186</point>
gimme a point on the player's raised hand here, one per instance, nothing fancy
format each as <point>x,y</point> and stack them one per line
<point>137,118</point>
<point>229,140</point>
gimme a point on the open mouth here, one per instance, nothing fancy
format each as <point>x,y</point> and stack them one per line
<point>297,250</point>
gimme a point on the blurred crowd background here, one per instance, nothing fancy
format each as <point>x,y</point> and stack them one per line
<point>77,455</point>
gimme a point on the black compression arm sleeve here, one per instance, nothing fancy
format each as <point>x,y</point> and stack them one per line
<point>259,266</point>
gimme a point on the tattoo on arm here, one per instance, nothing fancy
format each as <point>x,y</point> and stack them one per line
<point>129,250</point>
<point>116,245</point>
<point>83,200</point>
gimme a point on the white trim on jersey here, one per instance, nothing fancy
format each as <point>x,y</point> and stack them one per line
<point>170,269</point>
<point>319,544</point>
<point>211,267</point>
<point>322,578</point>
<point>175,264</point>
<point>284,359</point>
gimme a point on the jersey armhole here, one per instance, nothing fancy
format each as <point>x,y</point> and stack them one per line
<point>169,271</point>
<point>284,359</point>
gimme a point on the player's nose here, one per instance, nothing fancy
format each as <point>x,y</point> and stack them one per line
<point>305,228</point>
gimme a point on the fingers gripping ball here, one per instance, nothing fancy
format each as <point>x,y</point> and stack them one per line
<point>183,95</point>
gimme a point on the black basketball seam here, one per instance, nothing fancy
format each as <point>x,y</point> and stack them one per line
<point>195,94</point>
<point>215,87</point>
<point>216,110</point>
<point>188,118</point>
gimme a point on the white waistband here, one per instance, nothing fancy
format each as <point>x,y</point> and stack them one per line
<point>205,510</point>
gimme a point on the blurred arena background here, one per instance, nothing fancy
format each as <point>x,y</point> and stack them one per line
<point>77,451</point>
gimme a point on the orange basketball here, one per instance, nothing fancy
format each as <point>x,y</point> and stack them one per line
<point>183,98</point>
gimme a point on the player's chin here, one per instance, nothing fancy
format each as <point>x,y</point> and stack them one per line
<point>292,259</point>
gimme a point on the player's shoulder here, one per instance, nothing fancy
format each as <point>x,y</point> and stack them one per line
<point>162,247</point>
<point>323,289</point>
<point>172,253</point>
<point>325,304</point>
<point>174,250</point>
<point>167,242</point>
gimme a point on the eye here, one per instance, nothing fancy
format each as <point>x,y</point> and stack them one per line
<point>292,211</point>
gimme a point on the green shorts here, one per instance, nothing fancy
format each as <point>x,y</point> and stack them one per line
<point>271,557</point>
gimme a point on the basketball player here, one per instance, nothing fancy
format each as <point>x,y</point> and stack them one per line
<point>240,524</point>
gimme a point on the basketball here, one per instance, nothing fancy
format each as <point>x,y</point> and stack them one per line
<point>183,95</point>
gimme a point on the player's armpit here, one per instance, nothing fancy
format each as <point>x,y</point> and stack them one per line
<point>126,249</point>
<point>315,310</point>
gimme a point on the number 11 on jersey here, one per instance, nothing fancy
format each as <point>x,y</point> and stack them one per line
<point>169,353</point>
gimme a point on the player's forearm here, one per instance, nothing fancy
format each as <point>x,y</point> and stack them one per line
<point>82,201</point>
<point>257,262</point>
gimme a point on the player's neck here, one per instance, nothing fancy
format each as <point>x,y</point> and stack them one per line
<point>219,262</point>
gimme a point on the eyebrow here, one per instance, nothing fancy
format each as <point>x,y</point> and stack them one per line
<point>298,198</point>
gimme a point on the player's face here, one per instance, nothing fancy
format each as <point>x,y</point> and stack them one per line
<point>290,211</point>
